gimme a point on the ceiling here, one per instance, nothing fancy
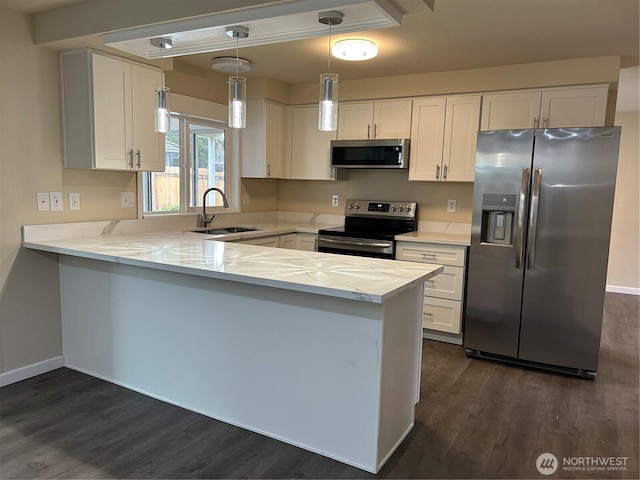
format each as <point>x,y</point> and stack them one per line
<point>456,35</point>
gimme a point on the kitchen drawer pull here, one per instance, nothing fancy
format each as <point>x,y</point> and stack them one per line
<point>138,157</point>
<point>433,255</point>
<point>437,172</point>
<point>131,158</point>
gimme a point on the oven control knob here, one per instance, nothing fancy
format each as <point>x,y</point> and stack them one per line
<point>408,208</point>
<point>350,206</point>
<point>357,205</point>
<point>400,208</point>
<point>393,208</point>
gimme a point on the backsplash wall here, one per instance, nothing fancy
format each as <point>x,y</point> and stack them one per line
<point>315,196</point>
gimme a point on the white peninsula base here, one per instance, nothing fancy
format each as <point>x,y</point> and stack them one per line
<point>336,376</point>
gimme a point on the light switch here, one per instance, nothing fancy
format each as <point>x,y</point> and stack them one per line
<point>74,201</point>
<point>56,201</point>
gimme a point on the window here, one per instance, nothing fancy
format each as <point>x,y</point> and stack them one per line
<point>196,158</point>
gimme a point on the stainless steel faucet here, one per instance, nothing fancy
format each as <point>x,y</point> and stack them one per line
<point>203,220</point>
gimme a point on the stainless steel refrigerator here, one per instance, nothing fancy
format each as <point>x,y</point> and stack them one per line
<point>542,209</point>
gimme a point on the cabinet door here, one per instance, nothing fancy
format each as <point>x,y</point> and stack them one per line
<point>274,139</point>
<point>310,147</point>
<point>355,121</point>
<point>502,111</point>
<point>460,138</point>
<point>427,132</point>
<point>442,315</point>
<point>392,119</point>
<point>288,241</point>
<point>579,107</point>
<point>307,242</point>
<point>148,145</point>
<point>112,117</point>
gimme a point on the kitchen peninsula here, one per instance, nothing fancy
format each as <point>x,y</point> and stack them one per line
<point>320,351</point>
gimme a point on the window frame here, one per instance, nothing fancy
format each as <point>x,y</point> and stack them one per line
<point>194,110</point>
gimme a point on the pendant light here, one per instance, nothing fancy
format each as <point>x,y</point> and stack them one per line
<point>163,111</point>
<point>328,106</point>
<point>237,85</point>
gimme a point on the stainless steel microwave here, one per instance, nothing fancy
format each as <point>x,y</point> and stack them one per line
<point>384,153</point>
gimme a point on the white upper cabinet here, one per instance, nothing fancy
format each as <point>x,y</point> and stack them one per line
<point>369,120</point>
<point>108,112</point>
<point>263,140</point>
<point>549,108</point>
<point>443,138</point>
<point>310,147</point>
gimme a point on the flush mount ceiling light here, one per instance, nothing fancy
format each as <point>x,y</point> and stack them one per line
<point>231,64</point>
<point>355,49</point>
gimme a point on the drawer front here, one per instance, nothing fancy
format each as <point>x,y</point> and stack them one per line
<point>442,315</point>
<point>431,253</point>
<point>448,284</point>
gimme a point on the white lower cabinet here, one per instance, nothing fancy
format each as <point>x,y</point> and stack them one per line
<point>307,242</point>
<point>272,241</point>
<point>293,241</point>
<point>444,293</point>
<point>288,241</point>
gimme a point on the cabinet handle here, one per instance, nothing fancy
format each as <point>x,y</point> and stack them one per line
<point>432,255</point>
<point>437,172</point>
<point>368,131</point>
<point>131,158</point>
<point>268,169</point>
<point>545,122</point>
<point>139,162</point>
<point>444,172</point>
<point>535,122</point>
<point>375,130</point>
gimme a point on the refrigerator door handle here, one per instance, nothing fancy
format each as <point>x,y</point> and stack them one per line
<point>524,192</point>
<point>533,218</point>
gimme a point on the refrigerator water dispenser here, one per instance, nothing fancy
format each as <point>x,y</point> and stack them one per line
<point>497,218</point>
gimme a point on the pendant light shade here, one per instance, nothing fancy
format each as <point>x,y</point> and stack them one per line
<point>237,84</point>
<point>328,118</point>
<point>237,102</point>
<point>328,105</point>
<point>162,112</point>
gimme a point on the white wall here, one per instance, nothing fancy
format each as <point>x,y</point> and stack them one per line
<point>624,257</point>
<point>31,161</point>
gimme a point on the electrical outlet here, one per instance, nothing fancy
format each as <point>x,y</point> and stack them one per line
<point>335,201</point>
<point>42,199</point>
<point>127,200</point>
<point>246,199</point>
<point>451,205</point>
<point>55,199</point>
<point>74,201</point>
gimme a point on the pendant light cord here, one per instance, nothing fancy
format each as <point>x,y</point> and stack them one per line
<point>329,49</point>
<point>237,58</point>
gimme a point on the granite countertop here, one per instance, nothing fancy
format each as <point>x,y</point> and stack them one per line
<point>357,278</point>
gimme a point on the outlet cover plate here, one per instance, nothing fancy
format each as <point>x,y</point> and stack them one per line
<point>42,199</point>
<point>74,201</point>
<point>127,200</point>
<point>452,205</point>
<point>56,201</point>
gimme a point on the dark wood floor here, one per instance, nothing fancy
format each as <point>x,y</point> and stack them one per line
<point>476,419</point>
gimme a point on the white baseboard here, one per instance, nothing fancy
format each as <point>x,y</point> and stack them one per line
<point>22,373</point>
<point>625,290</point>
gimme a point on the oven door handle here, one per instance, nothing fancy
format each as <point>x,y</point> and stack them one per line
<point>357,244</point>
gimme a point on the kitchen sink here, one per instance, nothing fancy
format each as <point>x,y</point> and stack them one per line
<point>225,230</point>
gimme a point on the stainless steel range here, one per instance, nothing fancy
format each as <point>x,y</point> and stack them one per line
<point>369,228</point>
